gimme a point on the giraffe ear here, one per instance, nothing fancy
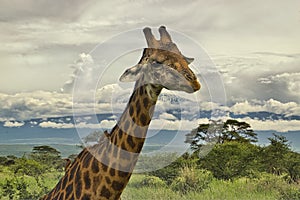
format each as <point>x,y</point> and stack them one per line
<point>189,60</point>
<point>131,74</point>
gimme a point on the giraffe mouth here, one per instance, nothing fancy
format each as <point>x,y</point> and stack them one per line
<point>191,88</point>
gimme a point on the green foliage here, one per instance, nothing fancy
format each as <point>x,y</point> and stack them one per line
<point>293,166</point>
<point>171,171</point>
<point>191,179</point>
<point>47,156</point>
<point>18,188</point>
<point>149,181</point>
<point>220,132</point>
<point>152,181</point>
<point>267,182</point>
<point>235,168</point>
<point>230,153</point>
<point>45,150</point>
<point>28,167</point>
<point>26,177</point>
<point>237,189</point>
<point>3,160</point>
<point>274,155</point>
<point>234,130</point>
<point>8,189</point>
<point>153,162</point>
<point>8,160</point>
<point>290,193</point>
<point>231,160</point>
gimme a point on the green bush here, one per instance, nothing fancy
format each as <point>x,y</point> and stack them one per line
<point>18,188</point>
<point>170,172</point>
<point>191,179</point>
<point>148,181</point>
<point>25,166</point>
<point>271,182</point>
<point>231,160</point>
<point>290,193</point>
<point>3,160</point>
<point>152,181</point>
<point>266,182</point>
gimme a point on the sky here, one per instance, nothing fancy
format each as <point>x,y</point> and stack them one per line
<point>253,44</point>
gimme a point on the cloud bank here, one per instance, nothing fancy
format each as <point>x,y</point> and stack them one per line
<point>273,89</point>
<point>38,46</point>
<point>40,40</point>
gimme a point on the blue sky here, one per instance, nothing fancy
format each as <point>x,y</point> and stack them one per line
<point>254,45</point>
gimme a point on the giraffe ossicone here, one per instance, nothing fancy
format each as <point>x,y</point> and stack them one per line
<point>103,170</point>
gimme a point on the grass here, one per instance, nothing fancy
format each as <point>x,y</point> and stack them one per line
<point>218,189</point>
<point>137,189</point>
<point>238,189</point>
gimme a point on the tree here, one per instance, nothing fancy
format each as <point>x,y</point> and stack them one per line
<point>231,159</point>
<point>293,166</point>
<point>169,172</point>
<point>275,155</point>
<point>219,132</point>
<point>48,156</point>
<point>234,130</point>
<point>3,160</point>
<point>278,158</point>
<point>44,149</point>
<point>28,167</point>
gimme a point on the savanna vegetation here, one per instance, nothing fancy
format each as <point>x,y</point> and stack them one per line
<point>224,163</point>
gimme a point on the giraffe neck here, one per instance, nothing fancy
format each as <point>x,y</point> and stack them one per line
<point>134,122</point>
<point>136,118</point>
<point>119,152</point>
<point>102,171</point>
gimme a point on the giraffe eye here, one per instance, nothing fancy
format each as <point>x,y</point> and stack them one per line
<point>156,63</point>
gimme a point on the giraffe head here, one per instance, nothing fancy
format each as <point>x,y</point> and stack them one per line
<point>163,65</point>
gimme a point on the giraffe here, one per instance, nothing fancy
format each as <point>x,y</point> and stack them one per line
<point>103,170</point>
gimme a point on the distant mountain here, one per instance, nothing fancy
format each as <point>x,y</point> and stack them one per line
<point>263,115</point>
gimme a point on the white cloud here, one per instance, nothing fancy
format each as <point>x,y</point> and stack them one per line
<point>271,105</point>
<point>113,99</point>
<point>108,124</point>
<point>28,105</point>
<point>167,116</point>
<point>260,76</point>
<point>186,125</point>
<point>50,124</point>
<point>113,93</point>
<point>290,82</point>
<point>83,74</point>
<point>13,124</point>
<point>104,124</point>
<point>182,125</point>
<point>35,40</point>
<point>275,125</point>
